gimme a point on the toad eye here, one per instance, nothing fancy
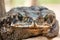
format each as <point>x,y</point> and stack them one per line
<point>20,17</point>
<point>49,18</point>
<point>27,19</point>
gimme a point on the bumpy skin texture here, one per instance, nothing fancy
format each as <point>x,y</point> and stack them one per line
<point>8,32</point>
<point>54,31</point>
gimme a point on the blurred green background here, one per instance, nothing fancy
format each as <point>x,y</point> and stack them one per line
<point>49,1</point>
<point>39,1</point>
<point>22,2</point>
<point>18,3</point>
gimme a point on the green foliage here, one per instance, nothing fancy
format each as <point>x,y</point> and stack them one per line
<point>49,1</point>
<point>18,2</point>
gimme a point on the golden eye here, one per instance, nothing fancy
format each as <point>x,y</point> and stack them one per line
<point>25,19</point>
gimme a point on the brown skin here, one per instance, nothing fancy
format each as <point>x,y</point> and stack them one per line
<point>23,32</point>
<point>14,32</point>
<point>8,32</point>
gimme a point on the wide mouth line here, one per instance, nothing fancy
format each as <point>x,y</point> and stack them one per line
<point>30,26</point>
